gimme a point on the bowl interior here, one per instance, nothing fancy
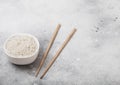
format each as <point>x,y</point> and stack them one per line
<point>22,34</point>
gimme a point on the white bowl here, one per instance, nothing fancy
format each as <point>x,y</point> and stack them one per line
<point>23,60</point>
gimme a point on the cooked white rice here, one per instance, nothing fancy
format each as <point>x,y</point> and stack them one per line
<point>21,46</point>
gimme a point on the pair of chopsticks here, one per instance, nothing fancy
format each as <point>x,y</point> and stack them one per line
<point>57,53</point>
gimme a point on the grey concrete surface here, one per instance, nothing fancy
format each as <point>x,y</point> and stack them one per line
<point>91,58</point>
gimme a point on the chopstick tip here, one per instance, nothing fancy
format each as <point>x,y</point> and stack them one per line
<point>36,75</point>
<point>41,77</point>
<point>59,25</point>
<point>75,29</point>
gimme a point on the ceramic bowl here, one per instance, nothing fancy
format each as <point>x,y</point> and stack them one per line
<point>26,59</point>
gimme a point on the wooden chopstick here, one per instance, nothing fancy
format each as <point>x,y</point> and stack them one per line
<point>58,52</point>
<point>48,49</point>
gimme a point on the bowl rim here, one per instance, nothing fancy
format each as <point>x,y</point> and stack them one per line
<point>22,34</point>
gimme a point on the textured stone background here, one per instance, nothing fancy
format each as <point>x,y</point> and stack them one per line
<point>91,58</point>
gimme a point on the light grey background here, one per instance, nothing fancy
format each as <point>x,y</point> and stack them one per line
<point>91,58</point>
